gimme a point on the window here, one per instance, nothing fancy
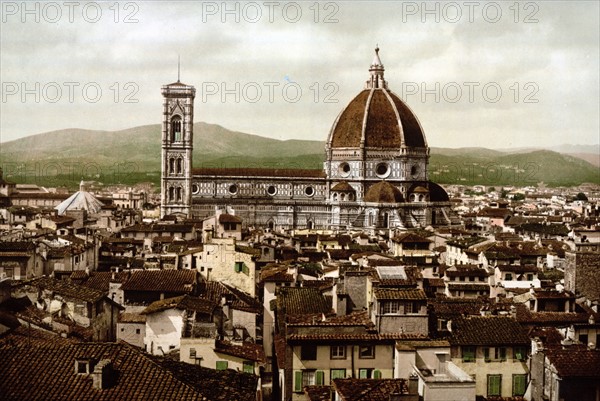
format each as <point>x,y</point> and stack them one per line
<point>303,378</point>
<point>239,266</point>
<point>365,373</point>
<point>83,366</point>
<point>337,374</point>
<point>520,353</point>
<point>391,307</point>
<point>508,276</point>
<point>500,354</point>
<point>486,354</point>
<point>222,365</point>
<point>366,351</point>
<point>308,352</point>
<point>468,354</point>
<point>338,352</point>
<point>529,277</point>
<point>192,353</point>
<point>519,385</point>
<point>137,331</point>
<point>248,367</point>
<point>494,385</point>
<point>176,129</point>
<point>583,338</point>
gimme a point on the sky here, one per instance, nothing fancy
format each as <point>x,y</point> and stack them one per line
<point>500,74</point>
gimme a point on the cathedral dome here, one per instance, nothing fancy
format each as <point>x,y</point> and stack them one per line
<point>384,192</point>
<point>376,118</point>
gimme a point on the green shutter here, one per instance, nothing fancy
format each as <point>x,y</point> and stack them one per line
<point>494,385</point>
<point>245,269</point>
<point>486,354</point>
<point>363,374</point>
<point>338,374</point>
<point>519,385</point>
<point>319,378</point>
<point>298,381</point>
<point>377,374</point>
<point>222,365</point>
<point>238,267</point>
<point>248,367</point>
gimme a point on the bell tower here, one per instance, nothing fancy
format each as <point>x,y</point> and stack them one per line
<point>177,147</point>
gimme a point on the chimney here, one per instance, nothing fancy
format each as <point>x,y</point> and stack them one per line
<point>103,374</point>
<point>413,384</point>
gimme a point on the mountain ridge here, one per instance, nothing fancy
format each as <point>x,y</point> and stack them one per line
<point>215,146</point>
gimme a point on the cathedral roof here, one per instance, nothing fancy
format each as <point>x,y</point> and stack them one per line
<point>342,187</point>
<point>384,192</point>
<point>377,118</point>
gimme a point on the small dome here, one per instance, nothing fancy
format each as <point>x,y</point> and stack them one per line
<point>384,192</point>
<point>342,186</point>
<point>421,190</point>
<point>437,193</point>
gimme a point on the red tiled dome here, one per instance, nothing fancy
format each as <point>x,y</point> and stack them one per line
<point>384,192</point>
<point>388,122</point>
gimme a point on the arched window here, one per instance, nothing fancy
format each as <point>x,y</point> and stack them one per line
<point>176,129</point>
<point>171,165</point>
<point>171,194</point>
<point>335,197</point>
<point>309,225</point>
<point>342,197</point>
<point>179,166</point>
<point>386,220</point>
<point>371,219</point>
<point>178,194</point>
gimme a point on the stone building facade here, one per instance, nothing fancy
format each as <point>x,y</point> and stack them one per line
<point>375,173</point>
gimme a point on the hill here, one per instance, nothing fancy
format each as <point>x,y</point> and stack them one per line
<point>131,155</point>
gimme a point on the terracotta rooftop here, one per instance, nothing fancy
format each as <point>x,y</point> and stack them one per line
<point>488,330</point>
<point>466,271</point>
<point>229,218</point>
<point>249,351</point>
<point>369,389</point>
<point>575,361</point>
<point>66,289</point>
<point>353,319</point>
<point>402,294</point>
<point>31,371</point>
<point>183,302</point>
<point>182,281</point>
<point>213,385</point>
<point>215,291</point>
<point>410,238</point>
<point>299,301</point>
<point>318,393</point>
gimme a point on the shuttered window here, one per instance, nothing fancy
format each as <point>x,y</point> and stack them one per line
<point>519,385</point>
<point>494,385</point>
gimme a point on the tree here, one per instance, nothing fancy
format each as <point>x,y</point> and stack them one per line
<point>581,196</point>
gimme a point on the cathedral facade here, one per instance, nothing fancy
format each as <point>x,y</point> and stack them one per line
<point>375,173</point>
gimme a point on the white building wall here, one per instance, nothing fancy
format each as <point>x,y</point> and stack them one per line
<point>163,331</point>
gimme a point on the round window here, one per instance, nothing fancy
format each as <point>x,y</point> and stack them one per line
<point>344,169</point>
<point>309,191</point>
<point>233,189</point>
<point>271,190</point>
<point>382,169</point>
<point>195,188</point>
